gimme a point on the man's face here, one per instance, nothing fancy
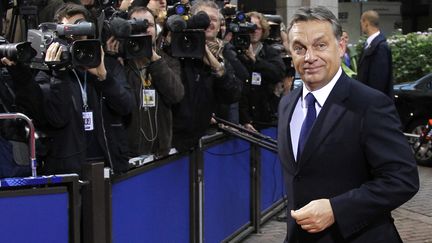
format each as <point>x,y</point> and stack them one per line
<point>156,5</point>
<point>214,27</point>
<point>345,37</point>
<point>141,15</point>
<point>315,51</point>
<point>258,33</point>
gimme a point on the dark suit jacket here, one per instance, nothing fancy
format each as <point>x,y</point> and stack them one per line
<point>375,66</point>
<point>357,157</point>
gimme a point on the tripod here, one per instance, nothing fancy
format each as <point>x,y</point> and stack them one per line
<point>29,15</point>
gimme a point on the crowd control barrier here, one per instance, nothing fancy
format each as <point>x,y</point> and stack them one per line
<point>221,191</point>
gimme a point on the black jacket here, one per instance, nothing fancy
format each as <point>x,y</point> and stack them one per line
<point>357,157</point>
<point>203,91</point>
<point>150,128</point>
<point>255,105</point>
<point>375,66</point>
<point>109,101</point>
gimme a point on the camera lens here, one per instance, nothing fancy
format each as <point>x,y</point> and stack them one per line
<point>241,16</point>
<point>21,52</point>
<point>83,54</point>
<point>133,46</point>
<point>180,9</point>
<point>86,53</point>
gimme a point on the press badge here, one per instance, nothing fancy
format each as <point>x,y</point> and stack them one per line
<point>256,78</point>
<point>149,98</point>
<point>88,120</point>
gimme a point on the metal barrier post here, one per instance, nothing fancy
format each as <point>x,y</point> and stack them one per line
<point>93,203</point>
<point>31,137</point>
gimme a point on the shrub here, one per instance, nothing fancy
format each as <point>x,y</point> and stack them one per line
<point>411,53</point>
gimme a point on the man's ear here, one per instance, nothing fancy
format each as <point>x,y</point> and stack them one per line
<point>342,45</point>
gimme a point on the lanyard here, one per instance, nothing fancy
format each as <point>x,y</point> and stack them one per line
<point>83,89</point>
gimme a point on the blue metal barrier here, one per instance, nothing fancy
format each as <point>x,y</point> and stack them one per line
<point>227,189</point>
<point>272,184</point>
<point>152,206</point>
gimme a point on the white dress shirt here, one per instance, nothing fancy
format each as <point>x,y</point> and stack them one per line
<point>300,109</point>
<point>371,38</point>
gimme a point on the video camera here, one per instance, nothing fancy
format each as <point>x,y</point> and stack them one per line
<point>239,24</point>
<point>20,52</point>
<point>133,43</point>
<point>85,53</point>
<point>188,38</point>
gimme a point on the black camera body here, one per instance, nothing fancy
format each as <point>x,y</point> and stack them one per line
<point>241,27</point>
<point>188,37</point>
<point>19,52</point>
<point>85,53</point>
<point>133,43</point>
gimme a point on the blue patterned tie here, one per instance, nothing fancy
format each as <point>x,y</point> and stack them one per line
<point>307,123</point>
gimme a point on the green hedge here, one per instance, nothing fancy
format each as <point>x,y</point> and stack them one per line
<point>412,55</point>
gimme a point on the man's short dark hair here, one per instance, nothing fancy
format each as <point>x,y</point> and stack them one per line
<point>138,9</point>
<point>318,13</point>
<point>68,10</point>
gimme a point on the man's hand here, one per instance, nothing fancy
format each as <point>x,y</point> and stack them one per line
<point>100,70</point>
<point>315,217</point>
<point>210,60</point>
<point>7,62</point>
<point>249,127</point>
<point>112,45</point>
<point>53,53</point>
<point>250,53</point>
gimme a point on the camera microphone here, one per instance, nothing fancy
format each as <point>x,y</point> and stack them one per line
<point>200,20</point>
<point>120,27</point>
<point>175,23</point>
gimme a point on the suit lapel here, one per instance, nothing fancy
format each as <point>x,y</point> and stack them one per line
<point>287,111</point>
<point>327,119</point>
<point>368,51</point>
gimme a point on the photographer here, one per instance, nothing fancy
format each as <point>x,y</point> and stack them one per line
<point>155,85</point>
<point>266,68</point>
<point>231,112</point>
<point>208,82</point>
<point>84,107</point>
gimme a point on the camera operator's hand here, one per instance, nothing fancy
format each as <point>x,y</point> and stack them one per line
<point>99,71</point>
<point>7,62</point>
<point>249,127</point>
<point>155,56</point>
<point>250,53</point>
<point>112,46</point>
<point>213,62</point>
<point>53,53</point>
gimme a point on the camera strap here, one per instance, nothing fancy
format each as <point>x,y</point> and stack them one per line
<point>83,88</point>
<point>86,114</point>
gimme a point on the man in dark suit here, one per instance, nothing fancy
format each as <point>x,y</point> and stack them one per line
<point>375,64</point>
<point>346,163</point>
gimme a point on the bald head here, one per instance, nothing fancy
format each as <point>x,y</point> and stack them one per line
<point>369,22</point>
<point>372,17</point>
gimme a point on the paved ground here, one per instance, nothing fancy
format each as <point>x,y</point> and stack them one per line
<point>413,219</point>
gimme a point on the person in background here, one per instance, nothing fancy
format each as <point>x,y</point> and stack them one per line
<point>266,68</point>
<point>349,63</point>
<point>346,163</point>
<point>156,86</point>
<point>84,108</point>
<point>375,65</point>
<point>207,82</point>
